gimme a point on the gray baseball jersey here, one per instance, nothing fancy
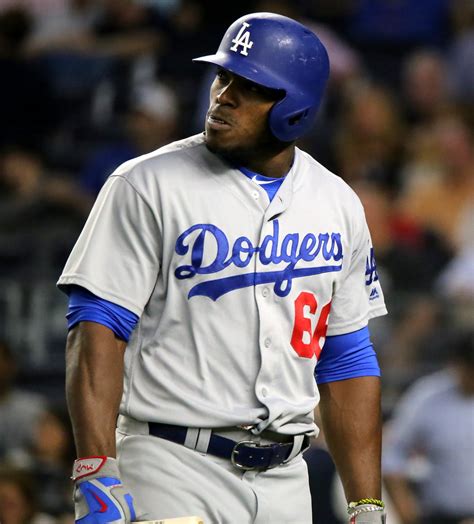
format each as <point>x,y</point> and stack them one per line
<point>235,293</point>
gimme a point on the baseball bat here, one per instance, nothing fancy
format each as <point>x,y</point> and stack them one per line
<point>179,520</point>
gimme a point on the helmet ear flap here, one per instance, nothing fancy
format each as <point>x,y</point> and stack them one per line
<point>302,115</point>
<point>286,123</point>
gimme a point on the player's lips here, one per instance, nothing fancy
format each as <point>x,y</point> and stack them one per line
<point>216,122</point>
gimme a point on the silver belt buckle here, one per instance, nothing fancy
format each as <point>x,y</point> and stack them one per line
<point>250,444</point>
<point>235,452</point>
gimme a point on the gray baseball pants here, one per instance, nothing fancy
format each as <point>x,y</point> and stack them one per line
<point>170,480</point>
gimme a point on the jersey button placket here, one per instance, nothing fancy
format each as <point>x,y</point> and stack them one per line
<point>267,308</point>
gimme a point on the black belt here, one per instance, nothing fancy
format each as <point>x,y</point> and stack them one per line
<point>246,454</point>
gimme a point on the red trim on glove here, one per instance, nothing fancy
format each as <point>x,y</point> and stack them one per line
<point>87,466</point>
<point>103,505</point>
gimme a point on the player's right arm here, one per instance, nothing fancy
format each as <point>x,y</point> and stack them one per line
<point>94,381</point>
<point>94,378</point>
<point>109,277</point>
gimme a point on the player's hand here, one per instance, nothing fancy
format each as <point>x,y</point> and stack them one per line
<point>99,495</point>
<point>358,516</point>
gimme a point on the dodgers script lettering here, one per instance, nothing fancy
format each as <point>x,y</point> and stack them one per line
<point>273,251</point>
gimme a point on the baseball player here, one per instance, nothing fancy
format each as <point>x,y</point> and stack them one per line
<point>216,282</point>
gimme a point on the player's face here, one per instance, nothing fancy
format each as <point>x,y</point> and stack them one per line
<point>237,119</point>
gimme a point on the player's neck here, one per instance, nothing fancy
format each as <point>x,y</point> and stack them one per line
<point>273,165</point>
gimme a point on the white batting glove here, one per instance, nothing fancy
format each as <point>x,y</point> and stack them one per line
<point>366,514</point>
<point>99,495</point>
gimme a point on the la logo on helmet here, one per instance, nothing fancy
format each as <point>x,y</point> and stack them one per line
<point>242,39</point>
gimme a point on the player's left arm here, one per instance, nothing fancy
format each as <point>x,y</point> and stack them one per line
<point>348,377</point>
<point>351,419</point>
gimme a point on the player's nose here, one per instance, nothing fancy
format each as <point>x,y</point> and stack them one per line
<point>227,94</point>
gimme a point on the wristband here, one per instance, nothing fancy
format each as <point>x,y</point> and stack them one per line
<point>373,502</point>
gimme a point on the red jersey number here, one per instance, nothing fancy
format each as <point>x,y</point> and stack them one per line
<point>304,341</point>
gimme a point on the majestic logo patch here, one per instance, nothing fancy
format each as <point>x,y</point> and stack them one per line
<point>291,249</point>
<point>242,39</point>
<point>374,294</point>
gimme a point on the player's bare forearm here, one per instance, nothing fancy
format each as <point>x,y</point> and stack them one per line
<point>94,378</point>
<point>351,419</point>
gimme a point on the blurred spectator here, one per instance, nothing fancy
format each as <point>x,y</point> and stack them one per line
<point>425,86</point>
<point>73,25</point>
<point>416,340</point>
<point>89,49</point>
<point>49,460</point>
<point>421,157</point>
<point>463,16</point>
<point>461,57</point>
<point>386,32</point>
<point>62,45</point>
<point>18,499</point>
<point>456,282</point>
<point>429,444</point>
<point>438,202</point>
<point>131,33</point>
<point>189,34</point>
<point>400,23</point>
<point>461,70</point>
<point>26,103</point>
<point>31,192</point>
<point>369,137</point>
<point>408,258</point>
<point>150,123</point>
<point>19,410</point>
<point>60,24</point>
<point>36,207</point>
<point>128,28</point>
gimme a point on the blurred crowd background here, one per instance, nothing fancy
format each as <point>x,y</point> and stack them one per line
<point>88,84</point>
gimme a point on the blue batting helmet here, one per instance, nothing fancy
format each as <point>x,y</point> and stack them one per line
<point>279,53</point>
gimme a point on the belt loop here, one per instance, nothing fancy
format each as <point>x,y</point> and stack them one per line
<point>191,440</point>
<point>198,439</point>
<point>297,445</point>
<point>203,440</point>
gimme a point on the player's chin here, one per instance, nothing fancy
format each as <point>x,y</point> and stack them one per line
<point>218,141</point>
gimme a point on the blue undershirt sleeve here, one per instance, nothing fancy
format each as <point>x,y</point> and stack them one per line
<point>85,306</point>
<point>347,356</point>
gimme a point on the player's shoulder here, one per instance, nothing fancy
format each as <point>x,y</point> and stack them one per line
<point>179,153</point>
<point>325,180</point>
